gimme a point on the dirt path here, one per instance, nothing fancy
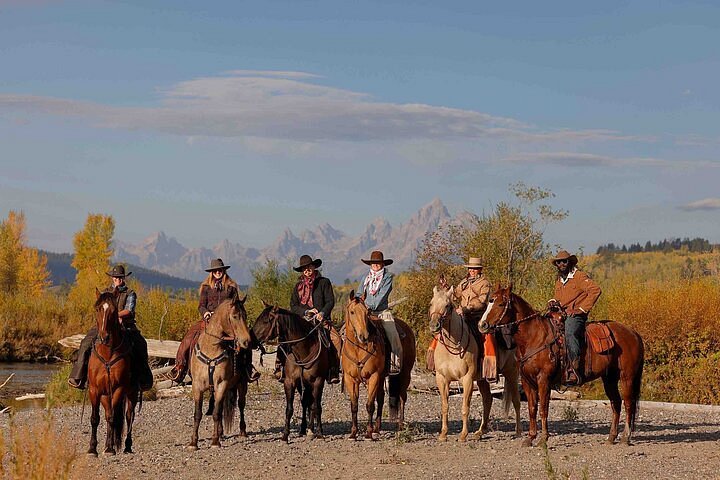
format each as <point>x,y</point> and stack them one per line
<point>668,444</point>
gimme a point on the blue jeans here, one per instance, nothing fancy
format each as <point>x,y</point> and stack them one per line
<point>575,335</point>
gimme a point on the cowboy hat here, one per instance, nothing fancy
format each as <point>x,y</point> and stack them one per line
<point>118,271</point>
<point>474,262</point>
<point>564,255</point>
<point>377,257</point>
<point>217,264</point>
<point>306,260</point>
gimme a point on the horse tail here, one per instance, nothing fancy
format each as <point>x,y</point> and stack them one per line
<point>637,382</point>
<point>229,404</point>
<point>118,423</point>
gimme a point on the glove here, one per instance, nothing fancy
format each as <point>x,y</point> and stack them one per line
<point>553,305</point>
<point>207,315</point>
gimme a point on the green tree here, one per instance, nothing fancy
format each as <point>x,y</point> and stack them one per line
<point>271,284</point>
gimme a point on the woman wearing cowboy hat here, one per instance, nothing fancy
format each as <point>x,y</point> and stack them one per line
<point>575,294</point>
<point>215,289</point>
<point>376,287</point>
<point>126,300</point>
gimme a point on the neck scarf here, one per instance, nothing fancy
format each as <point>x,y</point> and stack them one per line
<point>218,285</point>
<point>305,288</point>
<point>373,280</point>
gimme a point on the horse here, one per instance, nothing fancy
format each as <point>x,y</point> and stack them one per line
<point>214,367</point>
<point>109,377</point>
<point>307,362</point>
<point>538,354</point>
<point>457,357</point>
<point>363,361</point>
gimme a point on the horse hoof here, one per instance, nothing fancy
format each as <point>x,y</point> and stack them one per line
<point>463,437</point>
<point>242,434</point>
<point>128,450</point>
<point>352,436</point>
<point>284,438</point>
<point>92,454</point>
<point>191,447</point>
<point>527,442</point>
<point>109,452</point>
<point>625,441</point>
<point>478,435</point>
<point>442,438</point>
<point>610,441</point>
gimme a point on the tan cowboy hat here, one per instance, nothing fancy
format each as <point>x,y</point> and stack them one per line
<point>217,264</point>
<point>474,262</point>
<point>564,255</point>
<point>377,257</point>
<point>118,271</point>
<point>306,260</point>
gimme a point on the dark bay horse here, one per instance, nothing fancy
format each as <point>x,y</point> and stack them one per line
<point>537,351</point>
<point>363,361</point>
<point>213,366</point>
<point>109,379</point>
<point>307,363</point>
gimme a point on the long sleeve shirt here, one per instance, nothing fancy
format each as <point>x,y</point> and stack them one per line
<point>323,298</point>
<point>379,301</point>
<point>577,293</point>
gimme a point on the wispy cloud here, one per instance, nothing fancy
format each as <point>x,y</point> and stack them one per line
<point>574,159</point>
<point>704,204</point>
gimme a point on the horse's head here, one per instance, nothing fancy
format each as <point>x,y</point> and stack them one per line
<point>233,318</point>
<point>266,325</point>
<point>440,307</point>
<point>357,316</point>
<point>106,314</point>
<point>499,309</point>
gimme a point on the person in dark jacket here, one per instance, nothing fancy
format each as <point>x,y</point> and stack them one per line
<point>313,299</point>
<point>127,298</point>
<point>215,289</point>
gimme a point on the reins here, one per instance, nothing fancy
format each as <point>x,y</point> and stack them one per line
<point>458,349</point>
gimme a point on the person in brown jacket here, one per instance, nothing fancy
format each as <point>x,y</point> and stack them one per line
<point>575,294</point>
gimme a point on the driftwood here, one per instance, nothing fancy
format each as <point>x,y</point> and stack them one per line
<point>30,396</point>
<point>7,380</point>
<point>156,348</point>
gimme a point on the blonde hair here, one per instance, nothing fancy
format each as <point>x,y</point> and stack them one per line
<point>226,282</point>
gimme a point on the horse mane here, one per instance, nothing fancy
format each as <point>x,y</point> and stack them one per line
<point>104,296</point>
<point>226,305</point>
<point>523,302</point>
<point>296,325</point>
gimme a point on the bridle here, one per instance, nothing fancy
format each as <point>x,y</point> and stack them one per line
<point>453,347</point>
<point>287,345</point>
<point>223,337</point>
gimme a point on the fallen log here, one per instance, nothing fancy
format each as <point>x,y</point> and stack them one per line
<point>30,396</point>
<point>156,348</point>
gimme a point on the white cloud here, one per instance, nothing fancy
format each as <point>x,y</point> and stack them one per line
<point>704,204</point>
<point>574,159</point>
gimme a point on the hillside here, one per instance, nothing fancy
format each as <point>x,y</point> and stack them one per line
<point>652,266</point>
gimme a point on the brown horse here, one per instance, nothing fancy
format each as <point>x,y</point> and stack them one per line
<point>109,379</point>
<point>363,361</point>
<point>538,353</point>
<point>307,363</point>
<point>458,357</point>
<point>214,367</point>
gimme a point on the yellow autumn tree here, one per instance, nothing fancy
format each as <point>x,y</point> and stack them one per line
<point>93,250</point>
<point>20,266</point>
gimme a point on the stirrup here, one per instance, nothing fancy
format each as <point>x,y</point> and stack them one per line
<point>79,384</point>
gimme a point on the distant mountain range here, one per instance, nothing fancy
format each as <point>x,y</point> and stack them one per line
<point>339,252</point>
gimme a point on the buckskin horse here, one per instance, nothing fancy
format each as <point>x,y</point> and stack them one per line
<point>109,377</point>
<point>458,357</point>
<point>363,361</point>
<point>213,366</point>
<point>306,363</point>
<point>538,354</point>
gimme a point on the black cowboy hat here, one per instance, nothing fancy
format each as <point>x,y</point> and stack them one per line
<point>118,271</point>
<point>377,257</point>
<point>564,255</point>
<point>306,260</point>
<point>217,264</point>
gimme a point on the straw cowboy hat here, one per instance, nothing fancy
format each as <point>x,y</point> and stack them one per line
<point>377,257</point>
<point>217,264</point>
<point>118,271</point>
<point>306,260</point>
<point>564,255</point>
<point>474,262</point>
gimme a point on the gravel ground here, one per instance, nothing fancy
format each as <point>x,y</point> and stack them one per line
<point>667,444</point>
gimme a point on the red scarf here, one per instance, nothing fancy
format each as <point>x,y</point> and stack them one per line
<point>305,289</point>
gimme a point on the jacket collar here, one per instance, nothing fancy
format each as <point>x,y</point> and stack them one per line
<point>570,275</point>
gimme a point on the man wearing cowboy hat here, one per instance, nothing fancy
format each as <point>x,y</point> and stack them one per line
<point>313,299</point>
<point>575,294</point>
<point>376,287</point>
<point>126,300</point>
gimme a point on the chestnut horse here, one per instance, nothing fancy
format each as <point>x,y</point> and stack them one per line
<point>363,361</point>
<point>109,379</point>
<point>538,353</point>
<point>307,363</point>
<point>213,366</point>
<point>458,357</point>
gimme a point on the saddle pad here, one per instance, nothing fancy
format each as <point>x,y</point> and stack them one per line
<point>600,337</point>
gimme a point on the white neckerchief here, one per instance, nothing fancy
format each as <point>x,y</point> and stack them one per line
<point>373,280</point>
<point>570,275</point>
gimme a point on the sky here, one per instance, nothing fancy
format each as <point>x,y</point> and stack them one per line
<point>235,120</point>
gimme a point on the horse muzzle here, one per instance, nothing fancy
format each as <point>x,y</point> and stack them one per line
<point>484,326</point>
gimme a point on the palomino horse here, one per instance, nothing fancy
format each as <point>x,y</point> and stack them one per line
<point>214,367</point>
<point>307,363</point>
<point>458,357</point>
<point>109,379</point>
<point>363,361</point>
<point>537,351</point>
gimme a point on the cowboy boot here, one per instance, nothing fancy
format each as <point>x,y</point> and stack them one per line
<point>79,372</point>
<point>334,367</point>
<point>574,375</point>
<point>177,374</point>
<point>250,370</point>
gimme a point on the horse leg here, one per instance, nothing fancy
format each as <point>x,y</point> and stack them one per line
<point>218,414</point>
<point>610,380</point>
<point>211,404</point>
<point>532,402</point>
<point>380,400</point>
<point>197,416</point>
<point>353,388</point>
<point>289,400</point>
<point>544,395</point>
<point>305,402</point>
<point>484,388</point>
<point>129,419</point>
<point>467,383</point>
<point>109,417</point>
<point>242,389</point>
<point>94,422</point>
<point>515,394</point>
<point>372,389</point>
<point>630,399</point>
<point>444,389</point>
<point>316,413</point>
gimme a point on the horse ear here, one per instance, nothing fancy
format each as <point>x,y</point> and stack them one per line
<point>435,290</point>
<point>497,286</point>
<point>352,294</point>
<point>510,285</point>
<point>265,304</point>
<point>242,300</point>
<point>275,308</point>
<point>97,293</point>
<point>451,291</point>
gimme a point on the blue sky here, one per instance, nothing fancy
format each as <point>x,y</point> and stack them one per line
<point>239,119</point>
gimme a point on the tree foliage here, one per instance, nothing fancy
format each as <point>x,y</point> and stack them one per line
<point>272,284</point>
<point>21,267</point>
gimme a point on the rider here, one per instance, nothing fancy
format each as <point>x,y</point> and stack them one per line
<point>313,299</point>
<point>575,294</point>
<point>126,300</point>
<point>376,286</point>
<point>216,288</point>
<point>471,295</point>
